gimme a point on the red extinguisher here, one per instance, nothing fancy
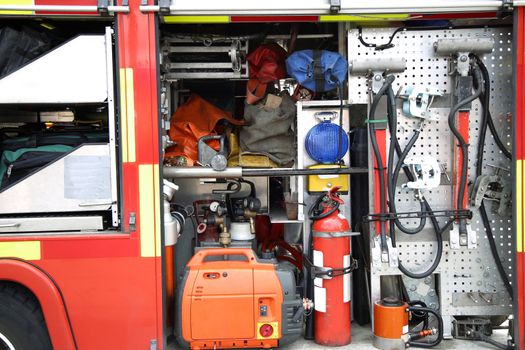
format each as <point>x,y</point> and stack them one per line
<point>332,264</point>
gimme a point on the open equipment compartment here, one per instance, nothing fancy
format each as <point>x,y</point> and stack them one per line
<point>466,291</point>
<point>58,146</point>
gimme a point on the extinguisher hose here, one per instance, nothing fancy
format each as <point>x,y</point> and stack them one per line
<point>439,338</point>
<point>315,207</point>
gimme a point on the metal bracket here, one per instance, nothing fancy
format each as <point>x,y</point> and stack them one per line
<point>132,222</point>
<point>507,7</point>
<point>378,257</point>
<point>378,79</point>
<point>164,7</point>
<point>335,6</point>
<point>102,7</point>
<point>427,173</point>
<point>463,63</point>
<point>469,239</point>
<point>418,100</point>
<point>494,188</point>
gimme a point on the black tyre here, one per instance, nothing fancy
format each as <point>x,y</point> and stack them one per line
<point>22,325</point>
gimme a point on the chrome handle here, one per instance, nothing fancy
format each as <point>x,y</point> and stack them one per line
<point>7,225</point>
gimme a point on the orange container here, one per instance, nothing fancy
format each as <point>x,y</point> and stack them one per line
<point>230,299</point>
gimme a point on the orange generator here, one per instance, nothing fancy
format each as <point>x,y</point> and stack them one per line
<point>229,298</point>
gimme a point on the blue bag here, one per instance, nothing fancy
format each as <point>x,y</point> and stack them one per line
<point>317,70</point>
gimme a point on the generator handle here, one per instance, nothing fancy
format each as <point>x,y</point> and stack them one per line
<point>199,258</point>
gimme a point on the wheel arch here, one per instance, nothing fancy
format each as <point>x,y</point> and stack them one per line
<point>49,296</point>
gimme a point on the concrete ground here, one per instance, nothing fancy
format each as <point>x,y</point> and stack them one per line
<point>362,340</point>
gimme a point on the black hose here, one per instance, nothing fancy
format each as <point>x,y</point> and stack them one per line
<point>494,250</point>
<point>439,330</point>
<point>485,102</point>
<point>311,212</point>
<point>420,314</point>
<point>379,160</point>
<point>490,341</point>
<point>462,144</point>
<point>392,180</point>
<point>487,116</point>
<point>392,188</point>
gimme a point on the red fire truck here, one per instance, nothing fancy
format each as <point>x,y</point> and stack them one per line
<point>85,261</point>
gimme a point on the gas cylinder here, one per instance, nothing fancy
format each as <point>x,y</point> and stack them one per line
<point>332,266</point>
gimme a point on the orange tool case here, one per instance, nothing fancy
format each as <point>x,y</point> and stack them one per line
<point>228,298</point>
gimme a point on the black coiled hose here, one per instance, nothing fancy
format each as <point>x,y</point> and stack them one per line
<point>439,337</point>
<point>486,117</point>
<point>396,148</point>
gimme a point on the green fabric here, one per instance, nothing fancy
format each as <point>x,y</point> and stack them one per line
<point>9,157</point>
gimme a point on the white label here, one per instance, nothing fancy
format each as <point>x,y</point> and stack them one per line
<point>328,176</point>
<point>320,299</point>
<point>346,280</point>
<point>405,329</point>
<point>87,177</point>
<point>318,261</point>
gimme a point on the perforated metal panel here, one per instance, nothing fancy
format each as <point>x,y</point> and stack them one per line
<point>469,281</point>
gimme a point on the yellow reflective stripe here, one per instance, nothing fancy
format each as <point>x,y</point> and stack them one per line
<point>16,2</point>
<point>28,250</point>
<point>127,113</point>
<point>157,193</point>
<point>519,206</point>
<point>362,18</point>
<point>196,19</point>
<point>149,214</point>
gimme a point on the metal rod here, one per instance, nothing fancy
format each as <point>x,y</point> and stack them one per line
<point>61,8</point>
<point>201,172</point>
<point>295,8</point>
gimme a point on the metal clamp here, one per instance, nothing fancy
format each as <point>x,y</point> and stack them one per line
<point>164,7</point>
<point>458,240</point>
<point>102,7</point>
<point>494,188</point>
<point>328,273</point>
<point>418,100</point>
<point>427,173</point>
<point>335,6</point>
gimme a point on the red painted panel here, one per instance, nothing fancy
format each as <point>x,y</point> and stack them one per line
<point>111,302</point>
<point>463,123</point>
<point>130,186</point>
<point>381,143</point>
<point>100,247</point>
<point>269,19</point>
<point>520,278</point>
<point>518,144</point>
<point>520,81</point>
<point>138,51</point>
<point>66,2</point>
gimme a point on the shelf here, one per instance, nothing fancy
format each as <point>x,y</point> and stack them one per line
<point>323,103</point>
<point>75,72</point>
<point>278,216</point>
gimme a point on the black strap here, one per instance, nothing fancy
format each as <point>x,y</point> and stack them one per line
<point>318,71</point>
